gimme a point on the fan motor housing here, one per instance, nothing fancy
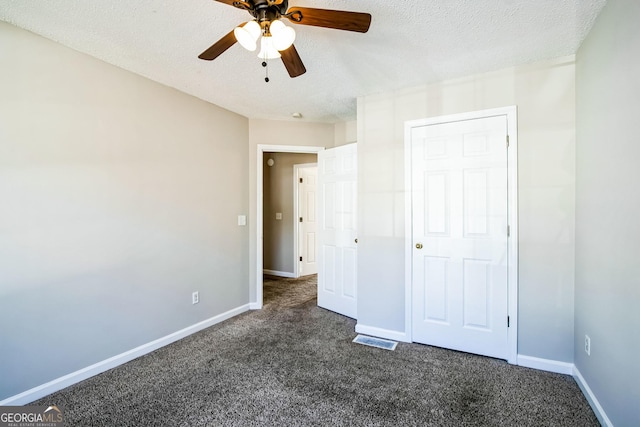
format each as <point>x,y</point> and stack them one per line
<point>265,11</point>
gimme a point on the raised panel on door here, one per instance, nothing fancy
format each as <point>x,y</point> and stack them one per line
<point>476,293</point>
<point>436,289</point>
<point>337,254</point>
<point>436,203</point>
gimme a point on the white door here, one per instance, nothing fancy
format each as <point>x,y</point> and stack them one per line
<point>307,221</point>
<point>337,188</point>
<point>459,236</point>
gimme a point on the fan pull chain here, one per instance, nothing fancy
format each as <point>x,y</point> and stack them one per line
<point>266,71</point>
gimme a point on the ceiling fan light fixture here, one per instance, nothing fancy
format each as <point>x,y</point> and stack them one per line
<point>276,38</point>
<point>267,50</point>
<point>248,34</point>
<point>283,36</point>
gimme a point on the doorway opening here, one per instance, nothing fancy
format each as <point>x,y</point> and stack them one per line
<point>263,151</point>
<point>289,214</point>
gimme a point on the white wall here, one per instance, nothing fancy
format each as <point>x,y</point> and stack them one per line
<point>545,97</point>
<point>269,132</point>
<point>608,210</point>
<point>118,198</point>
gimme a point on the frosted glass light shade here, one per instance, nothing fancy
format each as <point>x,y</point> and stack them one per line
<point>267,50</point>
<point>283,36</point>
<point>248,34</point>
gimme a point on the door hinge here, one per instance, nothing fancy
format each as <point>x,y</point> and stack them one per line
<point>300,219</point>
<point>508,231</point>
<point>300,180</point>
<point>507,141</point>
<point>508,322</point>
<point>300,258</point>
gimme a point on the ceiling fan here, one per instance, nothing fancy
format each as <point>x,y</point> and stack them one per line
<point>276,39</point>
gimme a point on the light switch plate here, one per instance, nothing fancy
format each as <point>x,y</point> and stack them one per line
<point>278,215</point>
<point>242,220</point>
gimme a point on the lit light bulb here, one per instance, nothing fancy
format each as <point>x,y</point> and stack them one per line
<point>283,36</point>
<point>267,50</point>
<point>248,34</point>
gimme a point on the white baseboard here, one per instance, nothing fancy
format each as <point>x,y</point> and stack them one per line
<point>120,359</point>
<point>382,333</point>
<point>591,398</point>
<point>545,364</point>
<point>279,273</point>
<point>255,306</point>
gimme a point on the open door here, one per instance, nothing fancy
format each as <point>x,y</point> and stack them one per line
<point>337,238</point>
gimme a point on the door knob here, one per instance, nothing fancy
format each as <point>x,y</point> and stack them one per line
<point>418,245</point>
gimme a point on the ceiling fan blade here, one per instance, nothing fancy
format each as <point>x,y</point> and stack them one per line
<point>219,47</point>
<point>292,62</point>
<point>337,19</point>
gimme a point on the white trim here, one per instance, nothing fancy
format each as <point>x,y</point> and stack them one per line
<point>279,273</point>
<point>408,234</point>
<point>261,149</point>
<point>545,364</point>
<point>512,244</point>
<point>567,368</point>
<point>511,114</point>
<point>296,214</point>
<point>115,361</point>
<point>382,333</point>
<point>591,398</point>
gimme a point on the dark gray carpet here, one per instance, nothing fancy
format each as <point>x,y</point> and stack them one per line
<point>293,364</point>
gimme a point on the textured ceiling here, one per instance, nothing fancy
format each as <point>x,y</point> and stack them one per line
<point>410,42</point>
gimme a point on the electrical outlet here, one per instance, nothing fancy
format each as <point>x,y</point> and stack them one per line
<point>195,298</point>
<point>587,345</point>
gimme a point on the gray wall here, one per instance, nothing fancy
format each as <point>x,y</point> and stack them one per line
<point>278,249</point>
<point>545,96</point>
<point>608,210</point>
<point>118,198</point>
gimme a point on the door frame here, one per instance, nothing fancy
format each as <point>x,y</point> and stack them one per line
<point>296,214</point>
<point>511,114</point>
<point>261,149</point>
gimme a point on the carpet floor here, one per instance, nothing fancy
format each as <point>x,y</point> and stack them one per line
<point>293,364</point>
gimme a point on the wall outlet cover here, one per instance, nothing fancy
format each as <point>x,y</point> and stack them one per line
<point>587,345</point>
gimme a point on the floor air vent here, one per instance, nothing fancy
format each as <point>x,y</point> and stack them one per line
<point>376,342</point>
